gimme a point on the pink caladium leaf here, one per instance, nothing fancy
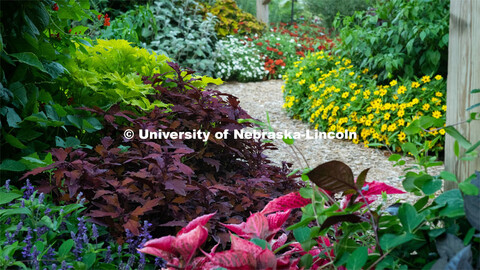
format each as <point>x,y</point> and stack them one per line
<point>290,201</point>
<point>245,245</point>
<point>257,226</point>
<point>266,260</point>
<point>160,247</point>
<point>199,221</point>
<point>376,188</point>
<point>237,229</point>
<point>188,243</point>
<point>276,220</point>
<point>235,259</point>
<point>282,239</point>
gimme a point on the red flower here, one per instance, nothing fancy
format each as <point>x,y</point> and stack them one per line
<point>269,48</point>
<point>55,7</point>
<point>275,50</point>
<point>240,23</point>
<point>280,53</point>
<point>235,31</point>
<point>278,62</point>
<point>249,39</point>
<point>277,44</point>
<point>295,26</point>
<point>106,21</point>
<point>301,53</point>
<point>99,16</point>
<point>259,43</point>
<point>70,31</point>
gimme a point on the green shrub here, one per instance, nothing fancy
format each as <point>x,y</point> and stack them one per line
<point>328,9</point>
<point>398,38</point>
<point>232,20</point>
<point>36,38</point>
<point>334,95</point>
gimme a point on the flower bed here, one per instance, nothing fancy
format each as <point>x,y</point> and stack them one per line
<point>333,95</point>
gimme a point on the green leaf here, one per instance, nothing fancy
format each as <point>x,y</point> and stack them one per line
<point>6,197</point>
<point>306,261</point>
<point>89,260</point>
<point>358,259</point>
<point>12,165</point>
<point>456,149</point>
<point>448,176</point>
<point>459,137</point>
<point>410,147</point>
<point>288,140</point>
<point>468,188</point>
<point>30,59</point>
<point>65,247</point>
<point>260,242</point>
<point>450,204</point>
<point>409,218</point>
<point>302,234</point>
<point>389,241</point>
<point>394,157</point>
<point>12,118</point>
<point>13,141</point>
<point>47,222</point>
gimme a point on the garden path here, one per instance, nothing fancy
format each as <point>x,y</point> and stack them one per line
<point>257,98</point>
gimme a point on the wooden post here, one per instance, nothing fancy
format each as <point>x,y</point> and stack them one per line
<point>262,11</point>
<point>463,76</point>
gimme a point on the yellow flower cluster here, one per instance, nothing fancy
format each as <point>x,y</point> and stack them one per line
<point>332,95</point>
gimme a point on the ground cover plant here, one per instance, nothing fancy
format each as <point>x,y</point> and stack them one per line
<point>334,95</point>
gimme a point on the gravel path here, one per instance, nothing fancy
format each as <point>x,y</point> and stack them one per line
<point>257,98</point>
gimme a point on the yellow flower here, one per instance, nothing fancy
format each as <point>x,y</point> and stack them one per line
<point>415,85</point>
<point>393,83</point>
<point>368,123</point>
<point>353,99</point>
<point>425,79</point>
<point>352,85</point>
<point>401,122</point>
<point>437,114</point>
<point>415,101</point>
<point>386,116</point>
<point>365,144</point>
<point>401,113</point>
<point>351,73</point>
<point>366,70</point>
<point>384,127</point>
<point>438,77</point>
<point>425,107</point>
<point>355,141</point>
<point>438,94</point>
<point>444,108</point>
<point>301,82</point>
<point>442,131</point>
<point>345,95</point>
<point>401,136</point>
<point>375,76</point>
<point>392,127</point>
<point>402,89</point>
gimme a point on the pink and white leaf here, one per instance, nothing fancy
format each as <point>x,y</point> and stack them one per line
<point>290,201</point>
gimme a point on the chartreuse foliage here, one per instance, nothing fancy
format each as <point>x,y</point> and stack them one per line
<point>398,38</point>
<point>232,20</point>
<point>109,72</point>
<point>333,95</point>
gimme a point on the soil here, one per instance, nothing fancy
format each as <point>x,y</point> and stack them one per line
<point>258,98</point>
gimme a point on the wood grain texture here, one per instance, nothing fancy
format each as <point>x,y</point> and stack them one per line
<point>463,76</point>
<point>262,11</point>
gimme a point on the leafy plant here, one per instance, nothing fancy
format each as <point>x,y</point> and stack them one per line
<point>108,73</point>
<point>169,182</point>
<point>329,9</point>
<point>232,20</point>
<point>36,37</point>
<point>418,31</point>
<point>37,234</point>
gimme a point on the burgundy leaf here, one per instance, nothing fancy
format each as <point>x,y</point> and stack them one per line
<point>333,176</point>
<point>177,185</point>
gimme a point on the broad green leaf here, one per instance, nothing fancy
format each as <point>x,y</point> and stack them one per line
<point>65,247</point>
<point>458,137</point>
<point>13,141</point>
<point>389,241</point>
<point>30,59</point>
<point>302,234</point>
<point>409,218</point>
<point>6,197</point>
<point>12,118</point>
<point>306,261</point>
<point>358,259</point>
<point>12,165</point>
<point>448,176</point>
